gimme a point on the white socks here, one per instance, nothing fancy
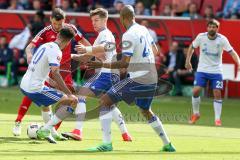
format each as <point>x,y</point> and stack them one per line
<point>196,105</point>
<point>46,116</point>
<point>157,126</point>
<point>106,120</point>
<point>118,118</point>
<point>49,125</point>
<point>62,113</point>
<point>80,113</point>
<point>217,104</point>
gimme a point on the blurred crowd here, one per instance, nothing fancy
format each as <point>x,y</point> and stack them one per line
<point>194,9</point>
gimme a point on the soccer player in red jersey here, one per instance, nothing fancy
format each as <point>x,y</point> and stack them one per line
<point>49,34</point>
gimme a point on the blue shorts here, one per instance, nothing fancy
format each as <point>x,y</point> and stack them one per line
<point>102,82</point>
<point>201,79</point>
<point>133,92</point>
<point>46,97</point>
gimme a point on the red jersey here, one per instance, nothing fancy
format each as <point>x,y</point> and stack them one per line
<point>48,34</point>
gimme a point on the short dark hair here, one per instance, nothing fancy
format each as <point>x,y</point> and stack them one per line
<point>103,13</point>
<point>40,14</point>
<point>66,33</point>
<point>58,14</point>
<point>213,22</point>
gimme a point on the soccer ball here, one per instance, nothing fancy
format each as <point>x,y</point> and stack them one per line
<point>32,130</point>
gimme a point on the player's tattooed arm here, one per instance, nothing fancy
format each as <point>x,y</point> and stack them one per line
<point>29,51</point>
<point>58,79</point>
<point>123,63</point>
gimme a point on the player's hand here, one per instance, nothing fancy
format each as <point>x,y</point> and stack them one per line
<point>21,61</point>
<point>29,58</point>
<point>75,57</point>
<point>94,64</point>
<point>80,48</point>
<point>188,66</point>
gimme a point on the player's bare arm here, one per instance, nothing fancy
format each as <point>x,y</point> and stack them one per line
<point>188,64</point>
<point>58,79</point>
<point>29,51</point>
<point>97,51</point>
<point>123,63</point>
<point>84,41</point>
<point>155,49</point>
<point>235,58</point>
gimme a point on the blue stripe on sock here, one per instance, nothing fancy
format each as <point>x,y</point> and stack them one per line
<point>70,109</point>
<point>218,101</point>
<point>154,118</point>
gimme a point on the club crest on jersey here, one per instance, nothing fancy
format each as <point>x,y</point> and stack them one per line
<point>58,58</point>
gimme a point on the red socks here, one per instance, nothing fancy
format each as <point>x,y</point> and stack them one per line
<point>23,108</point>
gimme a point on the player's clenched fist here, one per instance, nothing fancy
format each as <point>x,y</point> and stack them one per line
<point>188,66</point>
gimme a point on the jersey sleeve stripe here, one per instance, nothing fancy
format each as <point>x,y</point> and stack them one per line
<point>127,53</point>
<point>43,30</point>
<point>54,64</point>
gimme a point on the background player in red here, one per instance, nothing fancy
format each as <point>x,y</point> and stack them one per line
<point>49,34</point>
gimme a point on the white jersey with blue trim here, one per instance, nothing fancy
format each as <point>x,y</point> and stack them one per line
<point>137,43</point>
<point>106,37</point>
<point>210,58</point>
<point>47,55</point>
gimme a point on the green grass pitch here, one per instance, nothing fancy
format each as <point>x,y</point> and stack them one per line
<point>201,141</point>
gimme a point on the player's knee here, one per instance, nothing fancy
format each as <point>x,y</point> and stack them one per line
<point>196,92</point>
<point>105,101</point>
<point>217,94</point>
<point>46,109</point>
<point>147,113</point>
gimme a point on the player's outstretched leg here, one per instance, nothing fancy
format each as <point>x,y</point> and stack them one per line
<point>46,115</point>
<point>80,113</point>
<point>22,110</point>
<point>157,126</point>
<point>195,105</point>
<point>62,113</point>
<point>118,118</point>
<point>106,120</point>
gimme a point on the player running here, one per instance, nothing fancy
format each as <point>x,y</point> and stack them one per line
<point>103,81</point>
<point>140,86</point>
<point>47,58</point>
<point>211,46</point>
<point>49,34</point>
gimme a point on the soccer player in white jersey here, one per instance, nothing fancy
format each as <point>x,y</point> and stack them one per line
<point>211,45</point>
<point>45,60</point>
<point>139,88</point>
<point>104,80</point>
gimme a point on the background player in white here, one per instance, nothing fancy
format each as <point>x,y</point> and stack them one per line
<point>211,46</point>
<point>104,80</point>
<point>139,88</point>
<point>47,58</point>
